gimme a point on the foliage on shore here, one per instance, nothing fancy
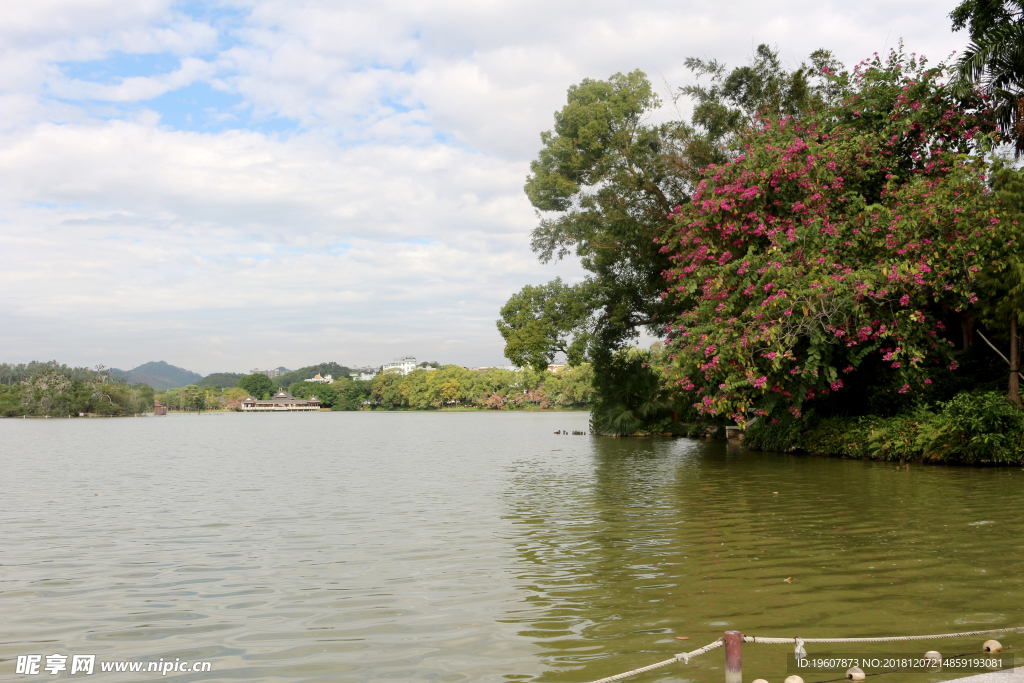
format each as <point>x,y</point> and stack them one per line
<point>970,428</point>
<point>496,389</point>
<point>630,397</point>
<point>450,386</point>
<point>200,398</point>
<point>13,373</point>
<point>51,389</point>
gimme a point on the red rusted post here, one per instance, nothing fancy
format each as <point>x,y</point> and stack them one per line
<point>733,658</point>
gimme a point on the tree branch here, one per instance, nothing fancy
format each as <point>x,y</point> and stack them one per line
<point>997,350</point>
<point>649,321</point>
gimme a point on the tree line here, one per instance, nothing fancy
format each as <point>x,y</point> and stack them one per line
<point>40,389</point>
<point>449,386</point>
<point>453,386</point>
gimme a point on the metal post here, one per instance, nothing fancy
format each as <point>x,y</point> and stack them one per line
<point>733,658</point>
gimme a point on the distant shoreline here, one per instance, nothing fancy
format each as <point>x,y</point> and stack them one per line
<point>471,409</point>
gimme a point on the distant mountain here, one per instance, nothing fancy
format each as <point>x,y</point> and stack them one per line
<point>221,379</point>
<point>158,375</point>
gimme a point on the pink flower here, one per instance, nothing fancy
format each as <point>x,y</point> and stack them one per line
<point>905,300</point>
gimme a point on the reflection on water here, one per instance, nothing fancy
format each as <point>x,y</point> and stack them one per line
<point>479,546</point>
<point>666,538</point>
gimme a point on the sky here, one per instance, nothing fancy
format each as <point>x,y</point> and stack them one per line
<point>241,184</point>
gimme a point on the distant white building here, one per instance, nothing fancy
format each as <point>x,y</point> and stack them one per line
<point>276,372</point>
<point>326,379</point>
<point>405,365</point>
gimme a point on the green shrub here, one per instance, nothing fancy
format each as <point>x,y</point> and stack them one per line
<point>774,434</point>
<point>838,436</point>
<point>877,438</point>
<point>689,429</point>
<point>896,438</point>
<point>975,427</point>
<point>632,398</point>
<point>972,427</point>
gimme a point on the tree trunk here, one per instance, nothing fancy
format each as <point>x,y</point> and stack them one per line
<point>1014,393</point>
<point>967,325</point>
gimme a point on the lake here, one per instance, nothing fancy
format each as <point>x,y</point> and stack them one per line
<point>478,546</point>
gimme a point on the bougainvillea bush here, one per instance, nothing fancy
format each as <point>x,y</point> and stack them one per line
<point>834,243</point>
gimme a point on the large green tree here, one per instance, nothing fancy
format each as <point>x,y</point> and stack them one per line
<point>604,185</point>
<point>354,395</point>
<point>994,60</point>
<point>323,391</point>
<point>194,398</point>
<point>257,384</point>
<point>541,321</point>
<point>839,244</point>
<point>1002,283</point>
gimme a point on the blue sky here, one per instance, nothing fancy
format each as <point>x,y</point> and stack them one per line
<point>223,185</point>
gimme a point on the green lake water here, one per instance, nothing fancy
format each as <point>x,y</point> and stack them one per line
<point>457,547</point>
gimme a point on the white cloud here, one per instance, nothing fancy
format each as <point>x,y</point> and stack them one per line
<point>135,88</point>
<point>389,220</point>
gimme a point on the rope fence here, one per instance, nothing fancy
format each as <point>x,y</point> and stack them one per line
<point>799,642</point>
<point>885,639</point>
<point>681,657</point>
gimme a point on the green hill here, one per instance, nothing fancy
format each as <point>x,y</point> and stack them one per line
<point>332,369</point>
<point>158,375</point>
<point>221,379</point>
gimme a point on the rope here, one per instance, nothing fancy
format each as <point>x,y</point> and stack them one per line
<point>888,639</point>
<point>685,656</point>
<point>681,657</point>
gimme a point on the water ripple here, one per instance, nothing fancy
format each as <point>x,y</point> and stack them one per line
<point>466,547</point>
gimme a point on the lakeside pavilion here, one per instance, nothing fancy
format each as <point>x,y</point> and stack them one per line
<point>281,401</point>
